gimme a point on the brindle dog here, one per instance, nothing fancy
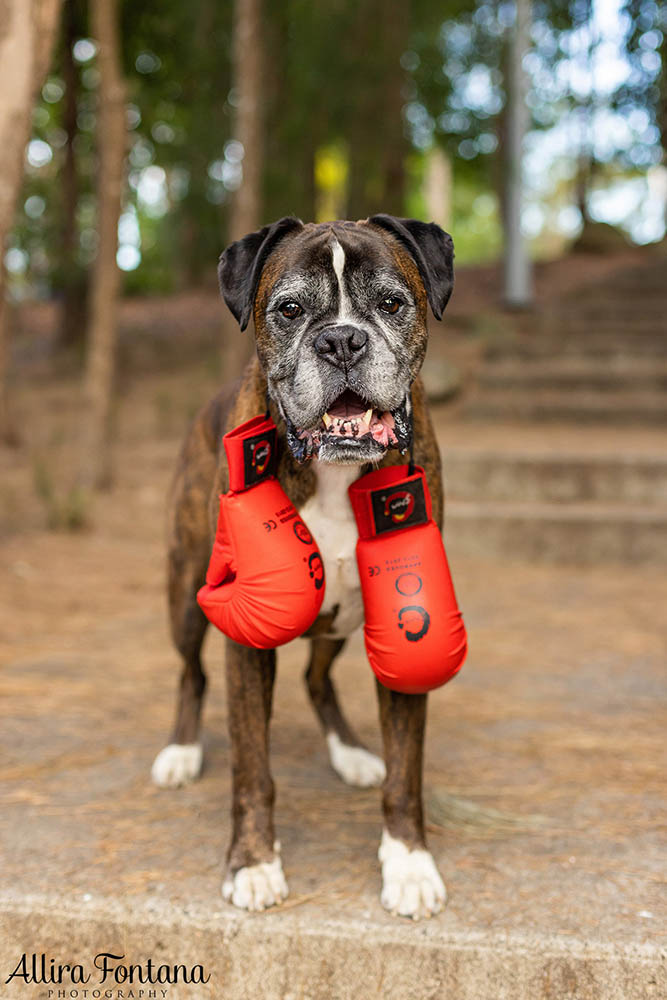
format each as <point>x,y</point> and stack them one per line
<point>339,313</point>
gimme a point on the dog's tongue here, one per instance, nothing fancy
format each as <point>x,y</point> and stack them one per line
<point>349,416</point>
<point>348,405</point>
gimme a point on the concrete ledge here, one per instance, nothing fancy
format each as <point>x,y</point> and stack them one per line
<point>279,956</point>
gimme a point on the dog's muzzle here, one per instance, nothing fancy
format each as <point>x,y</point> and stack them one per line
<point>352,429</point>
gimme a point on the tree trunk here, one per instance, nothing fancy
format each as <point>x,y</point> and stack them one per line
<point>73,278</point>
<point>518,281</point>
<point>375,134</point>
<point>438,188</point>
<point>95,471</point>
<point>246,207</point>
<point>662,112</point>
<point>396,31</point>
<point>27,33</point>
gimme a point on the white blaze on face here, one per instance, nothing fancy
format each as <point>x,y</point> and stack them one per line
<point>338,257</point>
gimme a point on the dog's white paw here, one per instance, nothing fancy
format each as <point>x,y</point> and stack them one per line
<point>355,765</point>
<point>177,764</point>
<point>257,887</point>
<point>411,884</point>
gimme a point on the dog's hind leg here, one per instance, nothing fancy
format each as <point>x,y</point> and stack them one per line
<point>349,757</point>
<point>180,762</point>
<point>189,547</point>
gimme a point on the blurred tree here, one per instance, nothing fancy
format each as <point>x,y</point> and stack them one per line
<point>518,288</point>
<point>27,34</point>
<point>178,65</point>
<point>646,86</point>
<point>661,116</point>
<point>355,96</point>
<point>246,206</point>
<point>373,124</point>
<point>296,35</point>
<point>95,469</point>
<point>70,275</point>
<point>607,85</point>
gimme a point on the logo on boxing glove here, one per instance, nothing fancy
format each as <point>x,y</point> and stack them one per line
<point>402,507</point>
<point>399,506</point>
<point>261,454</point>
<point>259,457</point>
<point>414,621</point>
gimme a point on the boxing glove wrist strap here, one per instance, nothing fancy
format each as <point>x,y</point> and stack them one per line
<point>251,453</point>
<point>390,499</point>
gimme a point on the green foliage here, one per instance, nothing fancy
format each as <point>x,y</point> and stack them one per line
<point>476,223</point>
<point>366,85</point>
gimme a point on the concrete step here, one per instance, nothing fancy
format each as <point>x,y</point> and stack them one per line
<point>601,345</point>
<point>554,477</point>
<point>633,310</point>
<point>645,281</point>
<point>577,406</point>
<point>304,954</point>
<point>584,534</point>
<point>575,373</point>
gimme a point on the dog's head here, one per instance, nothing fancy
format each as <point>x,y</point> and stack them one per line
<point>340,322</point>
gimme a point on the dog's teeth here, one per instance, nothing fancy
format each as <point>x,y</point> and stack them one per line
<point>326,420</point>
<point>368,416</point>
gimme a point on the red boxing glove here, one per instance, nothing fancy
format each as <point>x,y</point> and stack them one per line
<point>414,633</point>
<point>265,580</point>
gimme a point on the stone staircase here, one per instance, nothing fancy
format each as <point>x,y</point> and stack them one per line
<point>575,406</point>
<point>600,356</point>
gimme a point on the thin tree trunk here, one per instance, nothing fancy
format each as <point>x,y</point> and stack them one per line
<point>27,33</point>
<point>95,471</point>
<point>73,278</point>
<point>438,187</point>
<point>376,136</point>
<point>586,108</point>
<point>246,207</point>
<point>518,279</point>
<point>365,121</point>
<point>662,112</point>
<point>396,31</point>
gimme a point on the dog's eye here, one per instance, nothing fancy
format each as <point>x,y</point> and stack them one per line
<point>290,310</point>
<point>390,305</point>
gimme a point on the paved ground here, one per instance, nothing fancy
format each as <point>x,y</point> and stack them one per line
<point>544,773</point>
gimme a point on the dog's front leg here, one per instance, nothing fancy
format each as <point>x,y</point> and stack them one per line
<point>254,878</point>
<point>411,883</point>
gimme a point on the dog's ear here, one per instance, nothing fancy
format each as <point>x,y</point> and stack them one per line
<point>240,266</point>
<point>432,250</point>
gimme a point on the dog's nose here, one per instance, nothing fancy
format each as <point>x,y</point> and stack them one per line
<point>343,346</point>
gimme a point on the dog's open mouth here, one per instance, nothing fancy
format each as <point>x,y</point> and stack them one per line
<point>352,427</point>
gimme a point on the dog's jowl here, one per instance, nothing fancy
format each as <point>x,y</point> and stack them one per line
<point>339,314</point>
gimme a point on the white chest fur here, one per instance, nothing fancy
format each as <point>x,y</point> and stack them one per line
<point>329,516</point>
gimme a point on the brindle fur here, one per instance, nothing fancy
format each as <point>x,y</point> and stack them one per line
<point>193,510</point>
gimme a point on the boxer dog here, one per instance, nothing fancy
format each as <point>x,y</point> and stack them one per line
<point>339,313</point>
